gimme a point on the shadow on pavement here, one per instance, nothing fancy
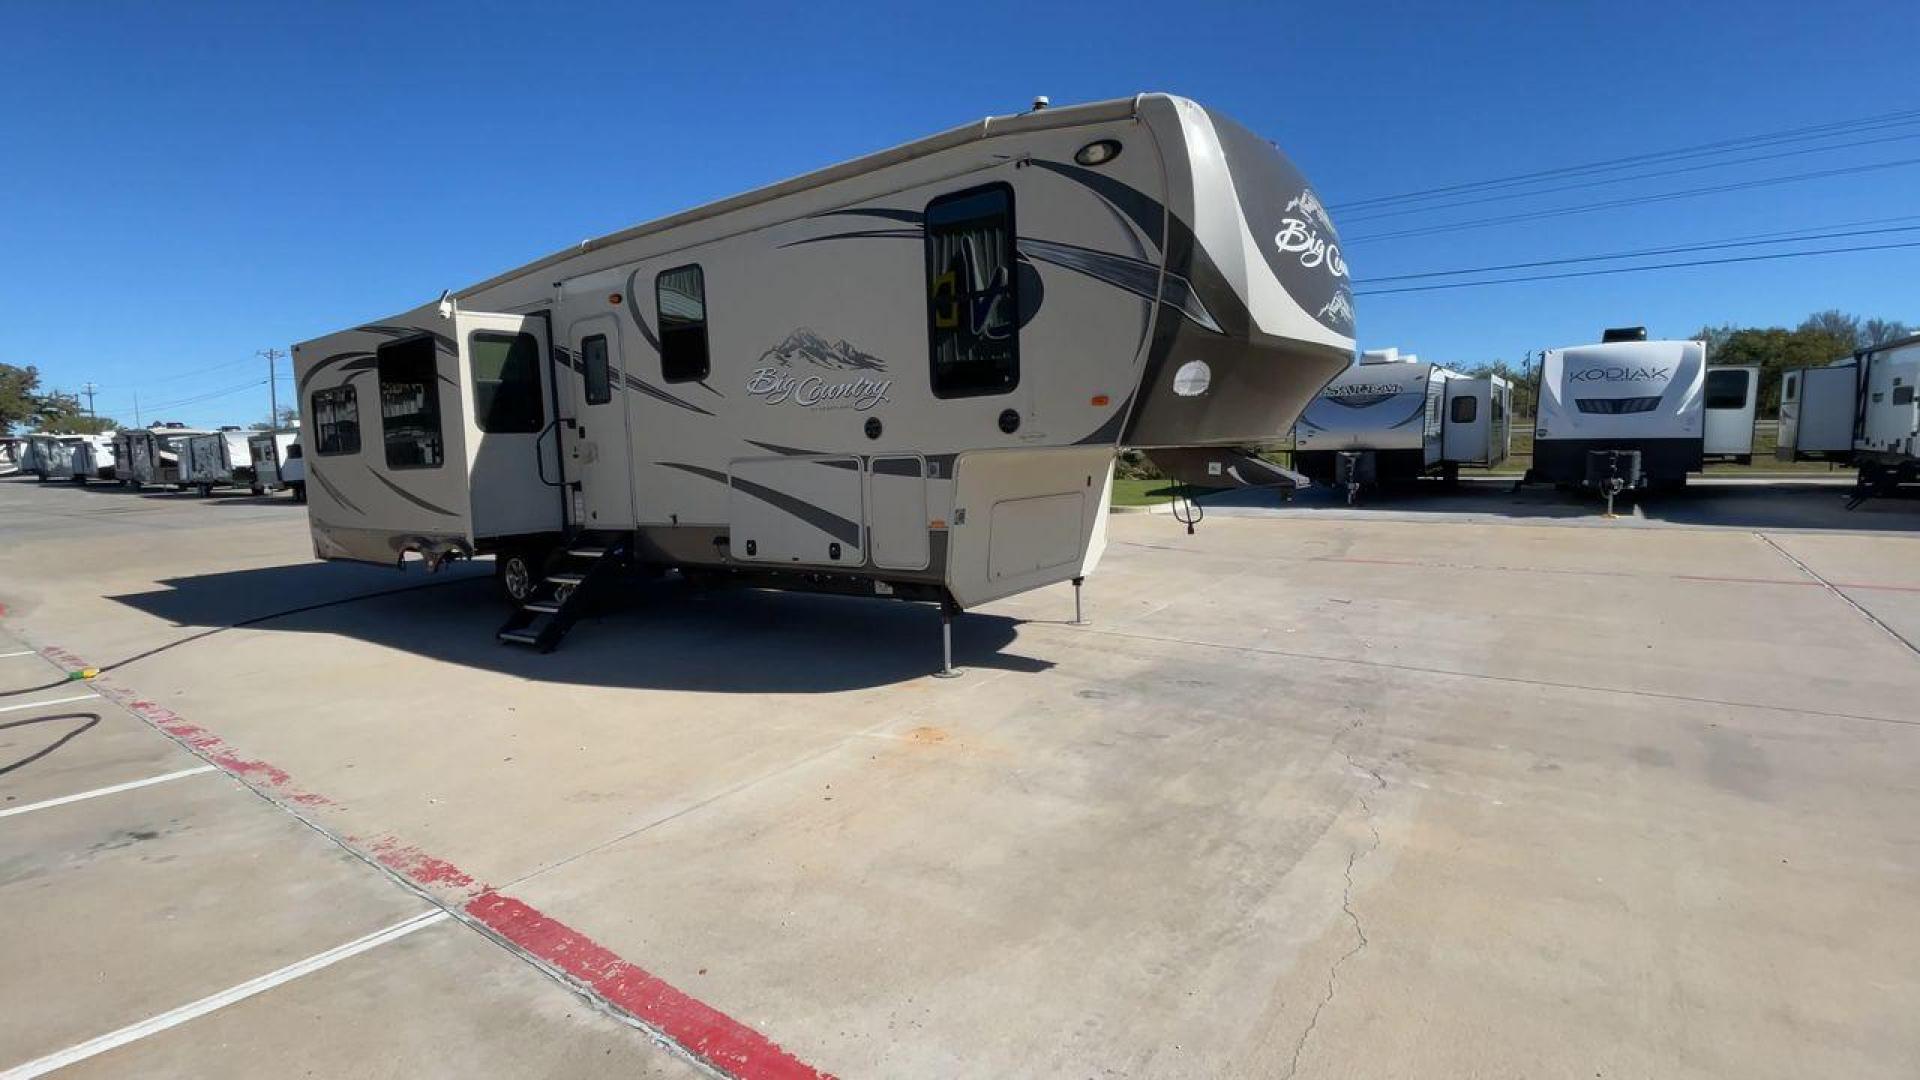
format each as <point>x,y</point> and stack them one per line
<point>662,635</point>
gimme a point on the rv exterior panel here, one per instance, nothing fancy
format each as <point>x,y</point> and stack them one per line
<point>1624,395</point>
<point>912,371</point>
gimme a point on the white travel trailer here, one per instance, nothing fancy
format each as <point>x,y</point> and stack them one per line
<point>151,455</point>
<point>1861,410</point>
<point>78,458</point>
<point>13,450</point>
<point>1656,399</point>
<point>216,459</point>
<point>93,457</point>
<point>906,376</point>
<point>276,463</point>
<point>1394,417</point>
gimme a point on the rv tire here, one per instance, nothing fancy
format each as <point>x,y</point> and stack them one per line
<point>517,572</point>
<point>257,490</point>
<point>205,490</point>
<point>299,493</point>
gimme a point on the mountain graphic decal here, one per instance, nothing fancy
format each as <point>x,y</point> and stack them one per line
<point>803,345</point>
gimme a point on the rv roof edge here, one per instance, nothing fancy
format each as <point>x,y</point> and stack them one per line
<point>974,131</point>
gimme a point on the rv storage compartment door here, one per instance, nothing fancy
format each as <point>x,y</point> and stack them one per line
<point>796,510</point>
<point>1034,534</point>
<point>1468,421</point>
<point>897,512</point>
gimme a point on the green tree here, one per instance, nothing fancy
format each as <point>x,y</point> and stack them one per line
<point>1525,388</point>
<point>63,412</point>
<point>18,402</point>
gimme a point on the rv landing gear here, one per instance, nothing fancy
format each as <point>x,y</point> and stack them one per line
<point>1078,618</point>
<point>948,609</point>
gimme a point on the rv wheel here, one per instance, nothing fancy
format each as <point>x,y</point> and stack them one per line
<point>205,490</point>
<point>257,490</point>
<point>516,573</point>
<point>299,493</point>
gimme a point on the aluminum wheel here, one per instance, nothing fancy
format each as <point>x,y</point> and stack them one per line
<point>516,577</point>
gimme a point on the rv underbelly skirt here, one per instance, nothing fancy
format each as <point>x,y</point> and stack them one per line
<point>1564,461</point>
<point>1389,465</point>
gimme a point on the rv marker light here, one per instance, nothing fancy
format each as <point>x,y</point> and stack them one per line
<point>1098,152</point>
<point>1099,400</point>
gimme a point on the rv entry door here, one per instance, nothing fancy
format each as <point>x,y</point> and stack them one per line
<point>597,448</point>
<point>1469,421</point>
<point>509,451</point>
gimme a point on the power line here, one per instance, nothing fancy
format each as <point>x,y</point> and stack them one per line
<point>1712,245</point>
<point>1452,204</point>
<point>1636,269</point>
<point>195,399</point>
<point>1634,200</point>
<point>1801,134</point>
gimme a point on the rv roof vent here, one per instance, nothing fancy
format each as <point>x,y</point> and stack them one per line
<point>1380,356</point>
<point>1624,333</point>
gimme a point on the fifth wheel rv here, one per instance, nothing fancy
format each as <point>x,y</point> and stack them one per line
<point>904,376</point>
<point>1655,404</point>
<point>1392,417</point>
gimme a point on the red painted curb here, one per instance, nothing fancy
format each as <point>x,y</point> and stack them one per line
<point>704,1031</point>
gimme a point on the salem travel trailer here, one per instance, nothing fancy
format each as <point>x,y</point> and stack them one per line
<point>1861,410</point>
<point>216,459</point>
<point>904,376</point>
<point>1393,417</point>
<point>1644,398</point>
<point>276,463</point>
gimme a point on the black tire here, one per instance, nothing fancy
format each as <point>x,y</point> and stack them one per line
<point>516,574</point>
<point>299,492</point>
<point>257,490</point>
<point>205,490</point>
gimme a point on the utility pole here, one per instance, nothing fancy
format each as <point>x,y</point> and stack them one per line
<point>89,390</point>
<point>136,408</point>
<point>273,387</point>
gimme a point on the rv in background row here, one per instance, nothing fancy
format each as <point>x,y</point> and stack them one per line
<point>78,458</point>
<point>1653,409</point>
<point>1392,417</point>
<point>1860,410</point>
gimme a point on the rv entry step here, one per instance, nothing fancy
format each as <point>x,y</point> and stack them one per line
<point>575,575</point>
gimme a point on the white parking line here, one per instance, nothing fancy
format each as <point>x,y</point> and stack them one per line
<point>39,704</point>
<point>111,789</point>
<point>11,655</point>
<point>175,1017</point>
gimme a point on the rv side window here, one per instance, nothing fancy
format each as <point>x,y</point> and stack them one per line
<point>1726,389</point>
<point>973,313</point>
<point>1464,410</point>
<point>593,367</point>
<point>1903,395</point>
<point>1788,393</point>
<point>681,295</point>
<point>506,382</point>
<point>336,422</point>
<point>410,404</point>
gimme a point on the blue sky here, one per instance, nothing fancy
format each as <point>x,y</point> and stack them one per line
<point>181,185</point>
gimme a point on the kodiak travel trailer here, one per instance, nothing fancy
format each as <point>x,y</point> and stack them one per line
<point>906,376</point>
<point>1861,411</point>
<point>1633,413</point>
<point>1393,417</point>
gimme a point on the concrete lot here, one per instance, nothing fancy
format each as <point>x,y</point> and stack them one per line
<point>1476,785</point>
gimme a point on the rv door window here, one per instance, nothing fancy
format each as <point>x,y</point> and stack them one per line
<point>506,382</point>
<point>336,422</point>
<point>973,315</point>
<point>1788,392</point>
<point>1903,395</point>
<point>593,367</point>
<point>410,404</point>
<point>681,296</point>
<point>1726,389</point>
<point>1464,410</point>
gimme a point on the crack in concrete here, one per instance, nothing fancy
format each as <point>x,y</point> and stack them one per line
<point>1346,905</point>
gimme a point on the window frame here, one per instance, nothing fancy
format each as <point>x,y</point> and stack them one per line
<point>605,395</point>
<point>433,386</point>
<point>352,398</point>
<point>480,417</point>
<point>1746,386</point>
<point>706,340</point>
<point>1012,253</point>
